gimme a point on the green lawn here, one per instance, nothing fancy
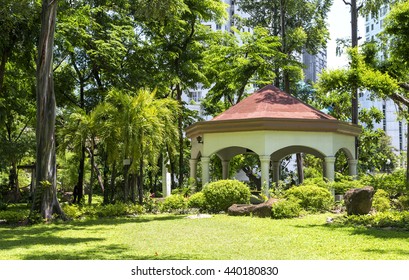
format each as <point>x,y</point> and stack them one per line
<point>220,237</point>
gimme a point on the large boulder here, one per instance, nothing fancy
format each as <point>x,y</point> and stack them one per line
<point>359,201</point>
<point>240,209</point>
<point>263,210</point>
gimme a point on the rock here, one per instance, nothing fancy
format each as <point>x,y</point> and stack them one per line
<point>256,199</point>
<point>240,209</point>
<point>359,201</point>
<point>263,210</point>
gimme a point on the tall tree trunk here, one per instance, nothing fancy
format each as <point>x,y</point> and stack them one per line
<point>45,199</point>
<point>181,146</point>
<point>354,92</point>
<point>140,182</point>
<point>407,154</point>
<point>91,181</point>
<point>13,181</point>
<point>300,169</point>
<point>4,58</point>
<point>112,182</point>
<point>81,170</point>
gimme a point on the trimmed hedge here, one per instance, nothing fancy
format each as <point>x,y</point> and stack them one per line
<point>381,202</point>
<point>285,209</point>
<point>220,195</point>
<point>311,197</point>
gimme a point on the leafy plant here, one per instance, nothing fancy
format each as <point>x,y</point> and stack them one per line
<point>284,209</point>
<point>394,183</point>
<point>13,216</point>
<point>220,195</point>
<point>381,201</point>
<point>174,202</point>
<point>311,197</point>
<point>197,200</point>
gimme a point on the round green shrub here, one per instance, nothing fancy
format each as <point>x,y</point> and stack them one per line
<point>311,197</point>
<point>285,209</point>
<point>381,201</point>
<point>220,195</point>
<point>197,200</point>
<point>174,202</point>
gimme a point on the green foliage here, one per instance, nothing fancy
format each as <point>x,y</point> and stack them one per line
<point>14,216</point>
<point>381,201</point>
<point>174,202</point>
<point>344,183</point>
<point>220,195</point>
<point>403,202</point>
<point>393,183</point>
<point>3,205</point>
<point>74,211</point>
<point>285,209</point>
<point>197,200</point>
<point>311,198</point>
<point>118,209</point>
<point>387,219</point>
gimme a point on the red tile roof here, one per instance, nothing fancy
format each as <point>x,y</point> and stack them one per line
<point>271,102</point>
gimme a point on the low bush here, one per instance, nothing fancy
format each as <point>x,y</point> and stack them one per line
<point>393,183</point>
<point>402,202</point>
<point>220,195</point>
<point>13,217</point>
<point>73,211</point>
<point>381,201</point>
<point>311,197</point>
<point>197,200</point>
<point>390,219</point>
<point>174,202</point>
<point>3,206</point>
<point>285,209</point>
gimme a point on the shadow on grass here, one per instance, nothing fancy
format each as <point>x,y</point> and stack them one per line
<point>29,236</point>
<point>361,230</point>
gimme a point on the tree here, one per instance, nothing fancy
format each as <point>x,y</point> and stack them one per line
<point>45,197</point>
<point>143,126</point>
<point>234,61</point>
<point>300,25</point>
<point>19,28</point>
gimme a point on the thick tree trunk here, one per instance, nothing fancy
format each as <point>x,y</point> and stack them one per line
<point>45,199</point>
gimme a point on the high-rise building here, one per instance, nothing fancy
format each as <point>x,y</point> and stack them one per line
<point>396,129</point>
<point>314,64</point>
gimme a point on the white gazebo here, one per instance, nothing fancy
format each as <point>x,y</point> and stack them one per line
<point>271,124</point>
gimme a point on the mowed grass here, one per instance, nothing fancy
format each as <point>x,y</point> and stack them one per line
<point>173,237</point>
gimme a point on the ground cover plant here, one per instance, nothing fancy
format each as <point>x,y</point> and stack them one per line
<point>220,237</point>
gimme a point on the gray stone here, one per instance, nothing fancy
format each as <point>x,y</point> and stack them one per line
<point>256,199</point>
<point>359,201</point>
<point>240,209</point>
<point>263,210</point>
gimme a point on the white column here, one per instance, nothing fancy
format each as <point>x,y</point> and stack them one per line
<point>205,170</point>
<point>193,171</point>
<point>225,169</point>
<point>166,184</point>
<point>353,167</point>
<point>329,168</point>
<point>265,174</point>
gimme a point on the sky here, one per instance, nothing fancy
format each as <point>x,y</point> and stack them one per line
<point>339,20</point>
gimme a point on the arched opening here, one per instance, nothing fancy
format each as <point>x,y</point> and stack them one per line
<point>286,165</point>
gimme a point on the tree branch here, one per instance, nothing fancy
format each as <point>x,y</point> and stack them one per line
<point>347,3</point>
